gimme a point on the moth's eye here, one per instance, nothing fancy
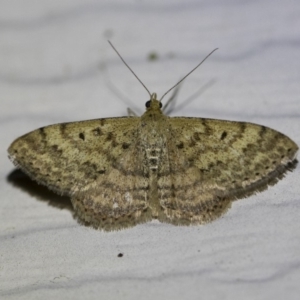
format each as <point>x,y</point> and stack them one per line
<point>148,103</point>
<point>160,105</point>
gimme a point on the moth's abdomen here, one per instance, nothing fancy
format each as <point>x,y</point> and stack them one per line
<point>153,156</point>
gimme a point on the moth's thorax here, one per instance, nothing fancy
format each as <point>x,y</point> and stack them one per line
<point>152,115</point>
<point>153,126</point>
<point>153,129</point>
<point>153,121</point>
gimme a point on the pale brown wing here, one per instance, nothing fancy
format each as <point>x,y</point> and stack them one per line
<point>95,162</point>
<point>119,199</point>
<point>212,162</point>
<point>66,155</point>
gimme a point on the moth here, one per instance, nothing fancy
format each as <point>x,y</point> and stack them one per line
<point>123,171</point>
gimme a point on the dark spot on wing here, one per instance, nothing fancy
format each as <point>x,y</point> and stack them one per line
<point>81,136</point>
<point>242,126</point>
<point>223,136</point>
<point>97,131</point>
<point>125,145</point>
<point>56,149</point>
<point>62,128</point>
<point>180,145</point>
<point>42,132</point>
<point>262,131</point>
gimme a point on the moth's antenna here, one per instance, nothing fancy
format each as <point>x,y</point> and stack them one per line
<point>129,68</point>
<point>187,74</point>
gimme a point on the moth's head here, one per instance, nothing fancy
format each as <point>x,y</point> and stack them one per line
<point>153,103</point>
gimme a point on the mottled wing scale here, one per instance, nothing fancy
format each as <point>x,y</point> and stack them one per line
<point>91,161</point>
<point>219,161</point>
<point>123,171</point>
